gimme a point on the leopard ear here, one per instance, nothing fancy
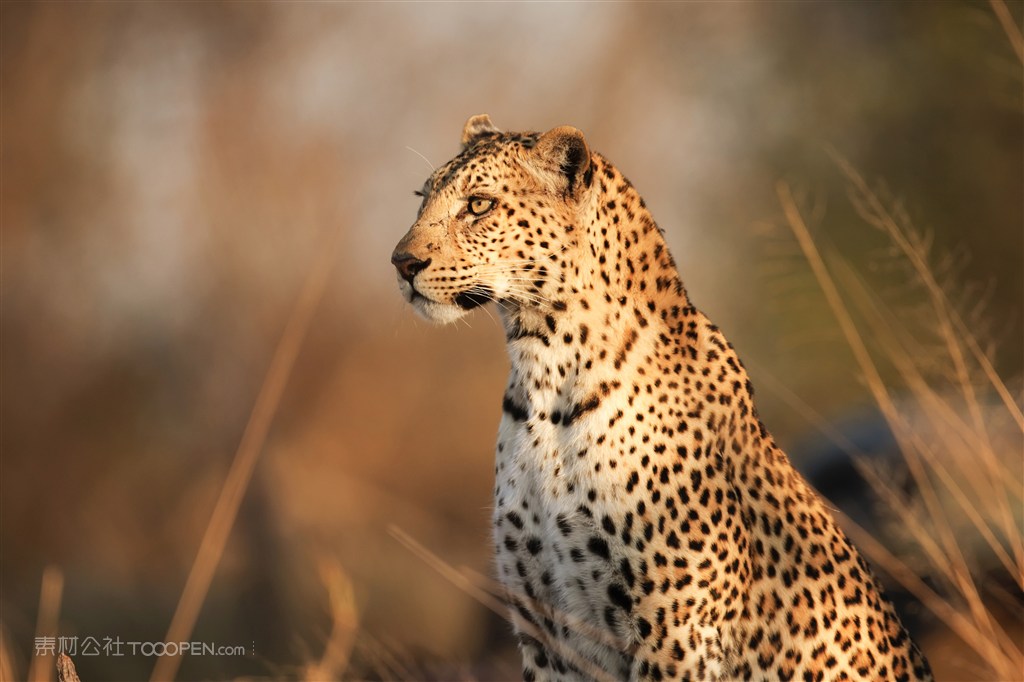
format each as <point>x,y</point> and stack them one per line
<point>564,152</point>
<point>477,127</point>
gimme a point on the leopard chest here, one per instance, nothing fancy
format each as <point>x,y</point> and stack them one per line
<point>561,568</point>
<point>564,515</point>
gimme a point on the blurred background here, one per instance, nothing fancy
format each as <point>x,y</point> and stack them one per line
<point>172,171</point>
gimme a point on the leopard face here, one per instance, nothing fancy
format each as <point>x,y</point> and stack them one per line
<point>497,222</point>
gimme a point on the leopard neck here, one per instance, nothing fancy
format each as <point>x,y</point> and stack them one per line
<point>619,292</point>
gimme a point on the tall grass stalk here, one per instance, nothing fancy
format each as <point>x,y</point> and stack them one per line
<point>51,593</point>
<point>344,624</point>
<point>211,549</point>
<point>6,660</point>
<point>959,474</point>
<point>1013,33</point>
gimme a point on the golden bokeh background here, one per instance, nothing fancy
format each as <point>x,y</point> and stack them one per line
<point>172,171</point>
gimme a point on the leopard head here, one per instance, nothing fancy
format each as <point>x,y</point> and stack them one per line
<point>499,222</point>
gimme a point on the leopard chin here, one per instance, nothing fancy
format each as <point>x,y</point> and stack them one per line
<point>438,313</point>
<point>445,313</point>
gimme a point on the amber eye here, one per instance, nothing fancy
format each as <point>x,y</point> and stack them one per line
<point>479,205</point>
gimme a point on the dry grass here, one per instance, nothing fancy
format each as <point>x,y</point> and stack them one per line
<point>66,669</point>
<point>47,620</point>
<point>942,422</point>
<point>6,652</point>
<point>1013,33</point>
<point>344,625</point>
<point>225,512</point>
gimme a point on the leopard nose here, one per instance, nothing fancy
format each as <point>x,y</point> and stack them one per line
<point>408,265</point>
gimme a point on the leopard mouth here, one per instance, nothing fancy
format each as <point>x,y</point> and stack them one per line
<point>474,298</point>
<point>466,300</point>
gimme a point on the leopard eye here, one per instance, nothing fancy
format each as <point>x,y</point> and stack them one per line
<point>480,205</point>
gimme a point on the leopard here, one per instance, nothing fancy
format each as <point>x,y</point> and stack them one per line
<point>646,525</point>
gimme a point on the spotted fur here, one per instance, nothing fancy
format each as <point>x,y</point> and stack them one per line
<point>646,525</point>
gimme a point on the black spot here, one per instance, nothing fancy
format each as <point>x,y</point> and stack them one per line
<point>519,332</point>
<point>617,593</point>
<point>513,410</point>
<point>627,572</point>
<point>643,627</point>
<point>580,409</point>
<point>533,545</point>
<point>599,547</point>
